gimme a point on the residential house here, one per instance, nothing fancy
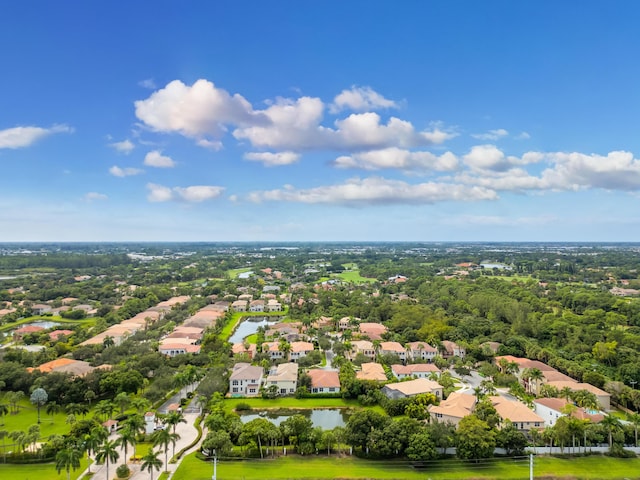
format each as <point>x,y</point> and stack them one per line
<point>372,330</point>
<point>284,377</point>
<point>239,306</point>
<point>274,306</point>
<point>412,388</point>
<point>273,349</point>
<point>551,409</point>
<point>452,349</point>
<point>421,351</point>
<point>453,409</point>
<point>364,347</point>
<point>239,349</point>
<point>247,297</point>
<point>19,333</point>
<point>256,306</point>
<point>604,398</point>
<point>299,350</point>
<point>372,371</point>
<point>521,416</point>
<point>345,323</point>
<point>324,381</point>
<point>415,370</point>
<point>40,309</point>
<point>245,380</point>
<point>393,348</point>
<point>57,334</point>
<point>173,349</point>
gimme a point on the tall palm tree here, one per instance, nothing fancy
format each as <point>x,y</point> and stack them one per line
<point>634,418</point>
<point>67,459</point>
<point>4,434</point>
<point>151,462</point>
<point>141,405</point>
<point>93,440</point>
<point>52,408</point>
<point>163,438</point>
<point>610,424</point>
<point>123,401</point>
<point>107,452</point>
<point>105,409</point>
<point>173,418</point>
<point>127,437</point>
<point>4,409</point>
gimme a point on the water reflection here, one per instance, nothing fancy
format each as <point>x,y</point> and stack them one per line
<point>249,326</point>
<point>327,418</point>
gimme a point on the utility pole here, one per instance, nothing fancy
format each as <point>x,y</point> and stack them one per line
<point>530,466</point>
<point>215,467</point>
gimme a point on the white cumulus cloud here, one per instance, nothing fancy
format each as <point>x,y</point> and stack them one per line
<point>126,146</point>
<point>193,194</point>
<point>376,191</point>
<point>124,172</point>
<point>156,159</point>
<point>271,159</point>
<point>491,134</point>
<point>20,137</point>
<point>398,159</point>
<point>360,99</point>
<point>93,196</point>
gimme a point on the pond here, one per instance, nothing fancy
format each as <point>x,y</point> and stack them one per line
<point>327,418</point>
<point>43,324</point>
<point>245,274</point>
<point>249,326</point>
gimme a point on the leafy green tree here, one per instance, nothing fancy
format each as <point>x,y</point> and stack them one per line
<point>361,424</point>
<point>476,439</point>
<point>511,439</point>
<point>67,459</point>
<point>218,442</point>
<point>299,427</point>
<point>421,447</point>
<point>151,462</point>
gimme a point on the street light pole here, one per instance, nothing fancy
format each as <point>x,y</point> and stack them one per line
<point>633,383</point>
<point>215,467</point>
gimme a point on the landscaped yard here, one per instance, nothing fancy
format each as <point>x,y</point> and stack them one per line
<point>39,471</point>
<point>353,276</point>
<point>233,273</point>
<point>321,467</point>
<point>29,416</point>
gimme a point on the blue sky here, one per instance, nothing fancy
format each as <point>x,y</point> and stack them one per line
<point>333,120</point>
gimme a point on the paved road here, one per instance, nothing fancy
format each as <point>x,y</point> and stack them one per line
<point>187,433</point>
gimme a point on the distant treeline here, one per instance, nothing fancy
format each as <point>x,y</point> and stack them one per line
<point>62,260</point>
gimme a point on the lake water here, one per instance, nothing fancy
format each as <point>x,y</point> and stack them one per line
<point>327,418</point>
<point>43,324</point>
<point>249,326</point>
<point>245,274</point>
<point>499,266</point>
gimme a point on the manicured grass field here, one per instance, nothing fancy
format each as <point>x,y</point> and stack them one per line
<point>29,416</point>
<point>353,276</point>
<point>237,271</point>
<point>87,322</point>
<point>320,467</point>
<point>39,471</point>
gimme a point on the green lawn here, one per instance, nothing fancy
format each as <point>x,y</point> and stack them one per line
<point>65,321</point>
<point>350,266</point>
<point>29,416</point>
<point>299,403</point>
<point>321,467</point>
<point>233,273</point>
<point>353,276</point>
<point>39,471</point>
<point>228,329</point>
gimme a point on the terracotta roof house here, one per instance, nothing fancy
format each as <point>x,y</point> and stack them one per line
<point>299,350</point>
<point>550,409</point>
<point>421,351</point>
<point>284,377</point>
<point>56,334</point>
<point>372,330</point>
<point>603,397</point>
<point>173,349</point>
<point>452,349</point>
<point>274,306</point>
<point>416,370</point>
<point>21,332</point>
<point>522,417</point>
<point>110,425</point>
<point>245,380</point>
<point>363,346</point>
<point>412,388</point>
<point>77,368</point>
<point>453,409</point>
<point>239,349</point>
<point>257,306</point>
<point>372,371</point>
<point>273,348</point>
<point>324,381</point>
<point>393,348</point>
<point>239,306</point>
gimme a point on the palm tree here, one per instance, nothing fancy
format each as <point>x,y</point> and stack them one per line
<point>67,459</point>
<point>4,434</point>
<point>151,462</point>
<point>141,405</point>
<point>634,418</point>
<point>107,452</point>
<point>610,424</point>
<point>52,408</point>
<point>127,437</point>
<point>19,439</point>
<point>123,401</point>
<point>39,397</point>
<point>163,438</point>
<point>4,409</point>
<point>105,408</point>
<point>93,440</point>
<point>173,418</point>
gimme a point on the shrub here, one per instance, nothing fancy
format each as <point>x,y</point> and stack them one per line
<point>123,471</point>
<point>242,407</point>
